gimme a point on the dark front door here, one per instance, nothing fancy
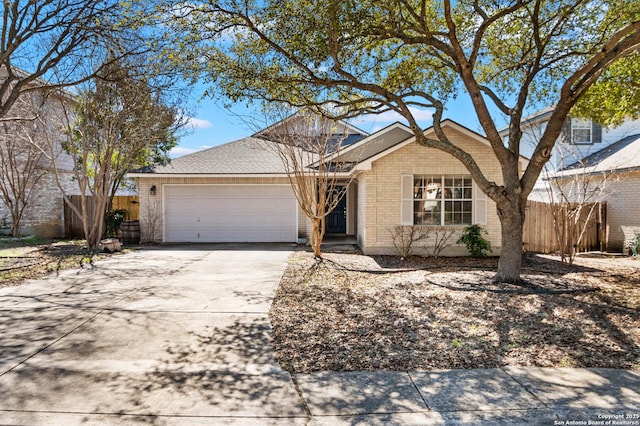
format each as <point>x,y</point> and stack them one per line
<point>336,221</point>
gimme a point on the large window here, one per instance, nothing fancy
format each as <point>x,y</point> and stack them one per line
<point>442,200</point>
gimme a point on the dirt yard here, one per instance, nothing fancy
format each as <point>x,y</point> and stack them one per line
<point>358,312</point>
<point>28,258</point>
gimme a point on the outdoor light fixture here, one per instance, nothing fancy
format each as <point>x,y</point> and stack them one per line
<point>152,190</point>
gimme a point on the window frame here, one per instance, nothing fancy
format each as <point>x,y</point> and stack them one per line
<point>420,191</point>
<point>581,125</point>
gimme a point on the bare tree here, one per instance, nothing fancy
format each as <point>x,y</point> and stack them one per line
<point>20,156</point>
<point>311,148</point>
<point>52,44</point>
<point>574,195</point>
<point>405,237</point>
<point>151,220</point>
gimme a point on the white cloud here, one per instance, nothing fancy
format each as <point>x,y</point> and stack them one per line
<point>391,116</point>
<point>179,151</point>
<point>198,123</point>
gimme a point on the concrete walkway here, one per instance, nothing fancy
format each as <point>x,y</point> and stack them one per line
<point>181,335</point>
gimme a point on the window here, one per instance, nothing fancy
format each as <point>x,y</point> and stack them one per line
<point>581,132</point>
<point>442,200</point>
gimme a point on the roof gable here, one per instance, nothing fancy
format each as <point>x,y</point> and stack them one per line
<point>344,133</point>
<point>374,144</point>
<point>448,123</point>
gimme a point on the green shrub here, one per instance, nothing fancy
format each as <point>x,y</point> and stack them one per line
<point>472,237</point>
<point>113,221</point>
<point>635,245</point>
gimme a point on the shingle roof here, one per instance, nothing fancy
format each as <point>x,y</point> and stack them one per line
<point>251,155</point>
<point>619,156</point>
<point>365,148</point>
<point>245,156</point>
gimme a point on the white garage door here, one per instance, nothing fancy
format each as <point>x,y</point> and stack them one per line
<point>229,213</point>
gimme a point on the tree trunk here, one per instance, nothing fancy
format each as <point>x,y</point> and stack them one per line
<point>15,229</point>
<point>316,238</point>
<point>16,217</point>
<point>512,220</point>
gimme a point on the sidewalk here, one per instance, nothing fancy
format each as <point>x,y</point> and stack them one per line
<point>506,396</point>
<point>181,336</point>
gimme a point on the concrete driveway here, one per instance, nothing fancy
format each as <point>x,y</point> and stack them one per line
<point>181,336</point>
<point>165,335</point>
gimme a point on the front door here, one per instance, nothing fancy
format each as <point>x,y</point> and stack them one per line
<point>336,221</point>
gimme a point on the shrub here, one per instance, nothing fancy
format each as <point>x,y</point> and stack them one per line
<point>635,245</point>
<point>472,238</point>
<point>405,236</point>
<point>113,221</point>
<point>442,236</point>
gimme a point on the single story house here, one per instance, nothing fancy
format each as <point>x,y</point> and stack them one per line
<point>239,192</point>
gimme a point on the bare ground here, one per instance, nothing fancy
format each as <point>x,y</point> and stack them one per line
<point>23,259</point>
<point>356,312</point>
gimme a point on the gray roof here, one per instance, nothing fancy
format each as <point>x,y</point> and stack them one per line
<point>376,143</point>
<point>245,156</point>
<point>620,156</point>
<point>251,155</point>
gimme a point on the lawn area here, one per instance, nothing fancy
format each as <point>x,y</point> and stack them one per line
<point>31,257</point>
<point>358,312</point>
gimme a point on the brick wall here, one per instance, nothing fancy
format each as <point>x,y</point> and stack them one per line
<point>381,188</point>
<point>623,211</point>
<point>44,215</point>
<point>361,210</point>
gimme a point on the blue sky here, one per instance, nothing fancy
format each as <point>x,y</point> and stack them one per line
<point>213,124</point>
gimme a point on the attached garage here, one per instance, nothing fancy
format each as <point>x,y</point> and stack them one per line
<point>229,213</point>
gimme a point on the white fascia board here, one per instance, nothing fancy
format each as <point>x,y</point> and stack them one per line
<point>205,175</point>
<point>462,129</point>
<point>366,165</point>
<point>372,137</point>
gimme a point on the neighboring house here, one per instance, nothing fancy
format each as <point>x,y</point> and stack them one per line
<point>239,192</point>
<point>616,168</point>
<point>43,216</point>
<point>592,153</point>
<point>579,139</point>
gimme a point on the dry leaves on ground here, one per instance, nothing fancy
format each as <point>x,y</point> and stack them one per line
<point>22,262</point>
<point>356,312</point>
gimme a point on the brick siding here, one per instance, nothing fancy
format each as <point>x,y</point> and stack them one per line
<point>381,189</point>
<point>623,211</point>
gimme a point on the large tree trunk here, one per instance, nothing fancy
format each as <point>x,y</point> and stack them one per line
<point>511,216</point>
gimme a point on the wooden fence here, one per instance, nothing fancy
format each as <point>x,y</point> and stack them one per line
<point>73,224</point>
<point>540,236</point>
